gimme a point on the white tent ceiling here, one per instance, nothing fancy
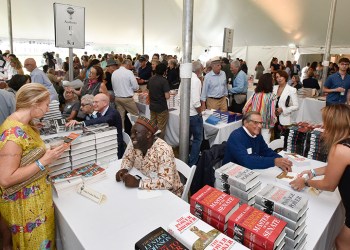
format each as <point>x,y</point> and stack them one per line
<point>255,22</point>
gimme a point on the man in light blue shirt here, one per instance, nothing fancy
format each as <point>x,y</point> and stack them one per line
<point>7,104</point>
<point>214,90</point>
<point>239,88</point>
<point>38,76</point>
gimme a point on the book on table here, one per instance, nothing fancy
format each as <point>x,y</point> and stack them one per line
<point>249,223</point>
<point>87,171</point>
<point>215,203</point>
<point>194,233</point>
<point>287,203</point>
<point>83,161</point>
<point>219,225</point>
<point>245,195</point>
<point>159,239</point>
<point>238,176</point>
<point>105,132</point>
<point>94,127</point>
<point>291,224</point>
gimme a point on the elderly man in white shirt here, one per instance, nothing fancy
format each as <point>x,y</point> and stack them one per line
<point>196,120</point>
<point>124,84</point>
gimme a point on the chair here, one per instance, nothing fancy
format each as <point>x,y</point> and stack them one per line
<point>126,138</point>
<point>276,144</point>
<point>132,118</point>
<point>188,173</point>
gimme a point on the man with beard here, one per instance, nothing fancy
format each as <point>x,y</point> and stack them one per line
<point>153,157</point>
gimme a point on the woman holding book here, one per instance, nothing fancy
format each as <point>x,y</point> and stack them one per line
<point>336,120</point>
<point>26,205</point>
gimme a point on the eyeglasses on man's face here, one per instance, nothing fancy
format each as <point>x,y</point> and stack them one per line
<point>257,122</point>
<point>85,104</point>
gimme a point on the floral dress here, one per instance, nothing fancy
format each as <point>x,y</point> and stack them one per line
<point>29,212</point>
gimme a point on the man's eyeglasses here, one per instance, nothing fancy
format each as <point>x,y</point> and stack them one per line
<point>257,122</point>
<point>85,104</point>
<point>344,64</point>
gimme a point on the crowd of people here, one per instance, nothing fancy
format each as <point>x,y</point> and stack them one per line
<point>102,92</point>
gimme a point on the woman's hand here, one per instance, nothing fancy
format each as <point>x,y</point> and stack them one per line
<point>308,172</point>
<point>298,184</point>
<point>52,155</point>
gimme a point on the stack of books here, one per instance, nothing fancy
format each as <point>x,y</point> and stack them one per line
<point>54,126</point>
<point>54,111</point>
<point>315,148</point>
<point>63,163</point>
<point>288,206</point>
<point>213,206</point>
<point>296,140</point>
<point>194,233</point>
<point>83,150</point>
<point>256,229</point>
<point>70,180</point>
<point>174,100</point>
<point>238,181</point>
<point>228,116</point>
<point>106,144</point>
<point>159,239</point>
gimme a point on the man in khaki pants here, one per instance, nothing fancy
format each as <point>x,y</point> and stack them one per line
<point>124,84</point>
<point>214,89</point>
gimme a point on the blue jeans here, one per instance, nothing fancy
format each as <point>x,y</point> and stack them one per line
<point>196,130</point>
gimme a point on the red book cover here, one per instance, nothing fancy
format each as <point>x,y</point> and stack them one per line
<point>214,203</point>
<point>221,226</point>
<point>256,226</point>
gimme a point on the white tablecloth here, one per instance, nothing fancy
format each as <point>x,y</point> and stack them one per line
<point>309,110</point>
<point>119,222</point>
<point>125,218</point>
<point>216,134</point>
<point>325,215</point>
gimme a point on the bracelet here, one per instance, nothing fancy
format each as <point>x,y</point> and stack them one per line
<point>41,166</point>
<point>313,172</point>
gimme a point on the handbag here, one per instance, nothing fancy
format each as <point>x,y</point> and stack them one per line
<point>240,98</point>
<point>29,158</point>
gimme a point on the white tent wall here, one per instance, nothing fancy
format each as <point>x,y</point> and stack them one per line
<point>262,28</point>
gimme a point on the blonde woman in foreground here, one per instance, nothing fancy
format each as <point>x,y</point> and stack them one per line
<point>336,120</point>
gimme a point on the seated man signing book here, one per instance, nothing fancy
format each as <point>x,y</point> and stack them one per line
<point>247,147</point>
<point>98,111</point>
<point>153,157</point>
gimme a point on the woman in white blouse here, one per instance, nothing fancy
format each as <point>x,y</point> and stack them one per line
<point>287,102</point>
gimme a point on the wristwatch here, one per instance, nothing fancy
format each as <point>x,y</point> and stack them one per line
<point>138,177</point>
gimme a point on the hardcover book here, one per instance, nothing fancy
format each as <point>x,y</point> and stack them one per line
<point>286,203</point>
<point>194,233</point>
<point>86,171</point>
<point>256,226</point>
<point>87,145</point>
<point>238,176</point>
<point>83,161</point>
<point>104,132</point>
<point>245,195</point>
<point>215,203</point>
<point>221,226</point>
<point>159,239</point>
<point>291,224</point>
<point>106,138</point>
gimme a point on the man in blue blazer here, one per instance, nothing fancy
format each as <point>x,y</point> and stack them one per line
<point>105,114</point>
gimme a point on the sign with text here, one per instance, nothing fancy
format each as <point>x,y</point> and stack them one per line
<point>69,26</point>
<point>228,40</point>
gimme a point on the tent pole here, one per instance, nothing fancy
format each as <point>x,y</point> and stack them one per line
<point>70,74</point>
<point>326,55</point>
<point>143,27</point>
<point>185,74</point>
<point>9,15</point>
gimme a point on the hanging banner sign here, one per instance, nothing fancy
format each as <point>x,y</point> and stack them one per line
<point>228,40</point>
<point>69,26</point>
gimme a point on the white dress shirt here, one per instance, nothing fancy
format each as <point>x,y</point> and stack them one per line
<point>124,82</point>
